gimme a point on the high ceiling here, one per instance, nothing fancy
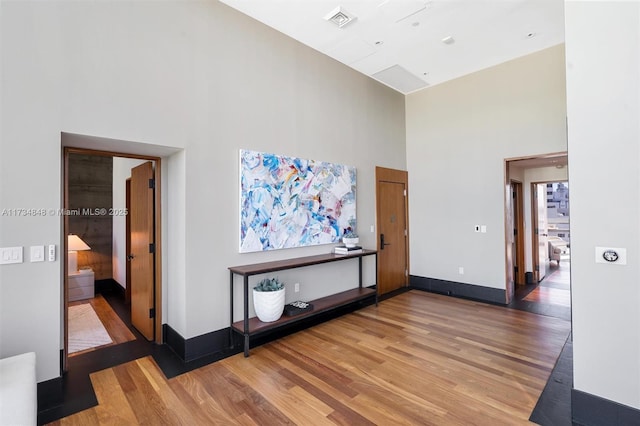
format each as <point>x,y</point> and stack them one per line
<point>412,44</point>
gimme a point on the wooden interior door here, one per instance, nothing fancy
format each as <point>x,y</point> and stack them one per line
<point>142,257</point>
<point>540,232</point>
<point>393,253</point>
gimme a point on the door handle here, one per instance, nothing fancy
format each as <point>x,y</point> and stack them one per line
<point>130,257</point>
<point>382,243</point>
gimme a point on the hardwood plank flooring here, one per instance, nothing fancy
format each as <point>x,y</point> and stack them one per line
<point>554,289</point>
<point>417,358</point>
<point>116,328</point>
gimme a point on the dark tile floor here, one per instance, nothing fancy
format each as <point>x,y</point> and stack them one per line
<point>554,406</point>
<point>73,392</point>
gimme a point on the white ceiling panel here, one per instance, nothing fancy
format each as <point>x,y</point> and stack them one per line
<point>405,36</point>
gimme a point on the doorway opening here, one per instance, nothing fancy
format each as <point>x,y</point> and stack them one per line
<point>112,291</point>
<point>545,231</point>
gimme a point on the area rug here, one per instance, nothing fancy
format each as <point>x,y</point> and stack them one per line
<point>85,329</point>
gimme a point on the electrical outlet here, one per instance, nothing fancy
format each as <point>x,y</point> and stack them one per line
<point>296,287</point>
<point>461,270</point>
<point>477,228</point>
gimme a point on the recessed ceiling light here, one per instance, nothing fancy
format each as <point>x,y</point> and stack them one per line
<point>448,40</point>
<point>379,42</point>
<point>531,34</point>
<point>340,17</point>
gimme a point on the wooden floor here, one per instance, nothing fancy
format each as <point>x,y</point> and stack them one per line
<point>417,358</point>
<point>555,288</point>
<point>117,329</point>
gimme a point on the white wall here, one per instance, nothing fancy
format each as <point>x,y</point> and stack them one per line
<point>174,244</point>
<point>121,172</point>
<point>192,75</point>
<point>458,135</point>
<point>603,104</point>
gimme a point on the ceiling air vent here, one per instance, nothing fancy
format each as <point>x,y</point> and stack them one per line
<point>340,17</point>
<point>400,79</point>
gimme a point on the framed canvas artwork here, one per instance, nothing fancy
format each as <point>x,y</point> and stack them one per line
<point>290,202</point>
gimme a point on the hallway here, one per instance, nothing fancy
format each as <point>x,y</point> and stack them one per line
<point>551,297</point>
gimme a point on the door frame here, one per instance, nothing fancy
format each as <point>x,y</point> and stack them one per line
<point>384,174</point>
<point>127,232</point>
<point>518,226</point>
<point>536,161</point>
<point>157,230</point>
<point>535,241</point>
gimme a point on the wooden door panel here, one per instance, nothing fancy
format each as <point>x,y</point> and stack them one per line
<point>142,256</point>
<point>392,245</point>
<point>539,223</point>
<point>542,230</point>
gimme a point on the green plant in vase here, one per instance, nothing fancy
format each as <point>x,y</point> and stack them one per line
<point>269,284</point>
<point>350,237</point>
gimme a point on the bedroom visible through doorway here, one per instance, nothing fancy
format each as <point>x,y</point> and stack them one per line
<point>100,316</point>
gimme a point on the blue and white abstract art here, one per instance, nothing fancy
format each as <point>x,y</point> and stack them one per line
<point>290,202</point>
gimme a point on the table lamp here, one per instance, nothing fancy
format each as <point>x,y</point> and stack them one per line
<point>74,244</point>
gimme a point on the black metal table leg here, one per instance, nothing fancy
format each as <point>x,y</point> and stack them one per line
<point>246,316</point>
<point>231,309</point>
<point>376,274</point>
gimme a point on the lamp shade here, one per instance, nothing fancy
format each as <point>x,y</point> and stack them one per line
<point>74,243</point>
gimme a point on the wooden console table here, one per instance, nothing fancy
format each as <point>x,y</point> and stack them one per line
<point>252,326</point>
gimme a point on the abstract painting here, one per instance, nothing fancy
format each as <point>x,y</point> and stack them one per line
<point>290,202</point>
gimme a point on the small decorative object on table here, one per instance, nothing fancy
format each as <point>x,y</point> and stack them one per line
<point>298,307</point>
<point>347,250</point>
<point>350,237</point>
<point>268,299</point>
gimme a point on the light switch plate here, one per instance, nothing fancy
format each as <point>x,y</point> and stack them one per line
<point>37,253</point>
<point>10,255</point>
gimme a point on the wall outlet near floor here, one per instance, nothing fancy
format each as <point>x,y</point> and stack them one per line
<point>461,270</point>
<point>296,287</point>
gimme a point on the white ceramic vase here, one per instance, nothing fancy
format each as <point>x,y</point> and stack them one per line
<point>268,305</point>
